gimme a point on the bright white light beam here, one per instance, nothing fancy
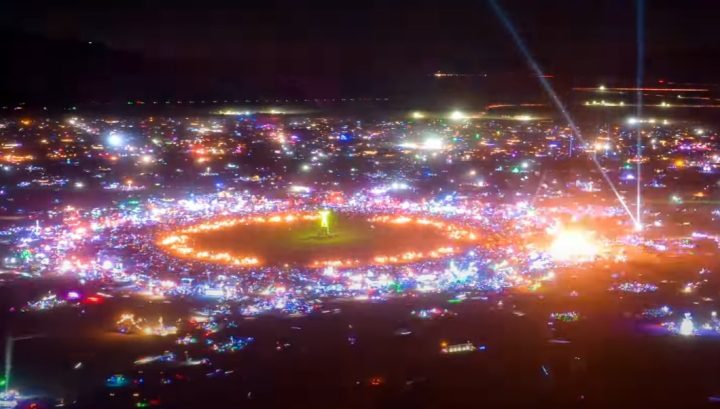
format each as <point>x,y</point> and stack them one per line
<point>554,96</point>
<point>640,15</point>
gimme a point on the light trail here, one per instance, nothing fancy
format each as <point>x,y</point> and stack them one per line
<point>555,98</point>
<point>9,344</point>
<point>667,106</point>
<point>497,106</point>
<point>639,101</point>
<point>594,89</point>
<point>441,74</point>
<point>640,11</point>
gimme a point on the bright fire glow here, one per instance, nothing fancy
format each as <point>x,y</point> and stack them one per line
<point>574,245</point>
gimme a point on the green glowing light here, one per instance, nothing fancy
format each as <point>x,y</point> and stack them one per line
<point>325,221</point>
<point>25,255</point>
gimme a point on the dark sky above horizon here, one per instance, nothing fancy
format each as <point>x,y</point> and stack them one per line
<point>349,40</point>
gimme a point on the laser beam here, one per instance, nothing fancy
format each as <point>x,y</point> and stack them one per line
<point>640,69</point>
<point>554,97</point>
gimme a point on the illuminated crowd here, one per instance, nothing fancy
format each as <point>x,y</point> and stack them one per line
<point>509,222</point>
<point>141,250</point>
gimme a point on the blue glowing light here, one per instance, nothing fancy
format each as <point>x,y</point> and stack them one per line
<point>115,139</point>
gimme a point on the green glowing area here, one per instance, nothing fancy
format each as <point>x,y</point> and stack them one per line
<point>325,222</point>
<point>332,237</point>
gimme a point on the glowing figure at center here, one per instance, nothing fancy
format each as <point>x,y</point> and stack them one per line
<point>687,327</point>
<point>325,222</point>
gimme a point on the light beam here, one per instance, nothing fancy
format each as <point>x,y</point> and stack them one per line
<point>554,97</point>
<point>640,15</point>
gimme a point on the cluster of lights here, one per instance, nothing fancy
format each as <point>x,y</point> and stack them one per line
<point>46,302</point>
<point>635,287</point>
<point>152,268</point>
<point>570,316</point>
<point>432,313</point>
<point>166,356</point>
<point>232,344</point>
<point>657,312</point>
<point>465,347</point>
<point>651,121</point>
<point>687,326</point>
<point>128,323</point>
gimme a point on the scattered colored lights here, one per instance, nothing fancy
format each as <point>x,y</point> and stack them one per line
<point>117,381</point>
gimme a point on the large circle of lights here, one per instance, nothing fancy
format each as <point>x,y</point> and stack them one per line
<point>318,239</point>
<point>154,247</point>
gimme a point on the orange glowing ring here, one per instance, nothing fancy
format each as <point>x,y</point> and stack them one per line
<point>179,242</point>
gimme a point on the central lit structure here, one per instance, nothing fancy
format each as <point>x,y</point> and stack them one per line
<point>687,327</point>
<point>293,239</point>
<point>324,222</point>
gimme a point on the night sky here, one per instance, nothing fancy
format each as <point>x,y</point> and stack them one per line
<point>104,50</point>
